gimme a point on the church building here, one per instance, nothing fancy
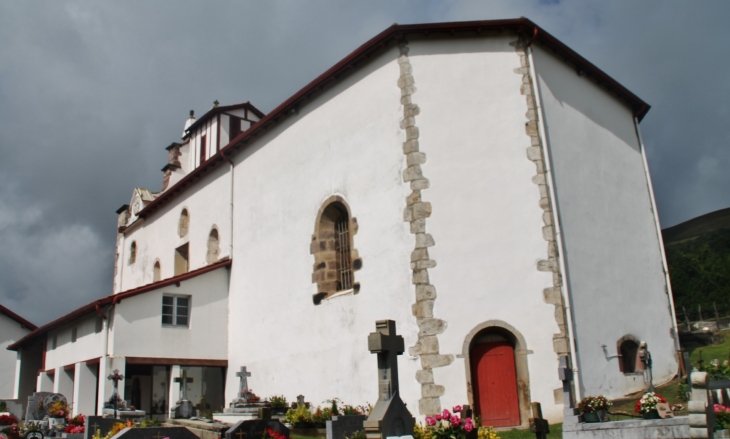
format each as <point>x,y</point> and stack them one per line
<point>479,183</point>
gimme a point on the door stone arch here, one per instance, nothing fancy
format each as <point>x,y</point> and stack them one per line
<point>517,341</point>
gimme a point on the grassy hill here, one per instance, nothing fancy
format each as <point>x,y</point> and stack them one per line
<point>698,255</point>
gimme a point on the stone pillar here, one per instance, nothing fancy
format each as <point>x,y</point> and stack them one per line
<point>64,383</point>
<point>45,382</point>
<point>698,405</point>
<point>84,390</point>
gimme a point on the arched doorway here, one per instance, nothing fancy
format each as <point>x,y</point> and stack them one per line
<point>494,378</point>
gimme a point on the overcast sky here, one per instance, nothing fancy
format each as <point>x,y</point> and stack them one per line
<point>92,92</point>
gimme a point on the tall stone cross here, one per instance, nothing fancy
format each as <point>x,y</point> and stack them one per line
<point>116,377</point>
<point>183,380</point>
<point>388,346</point>
<point>243,386</point>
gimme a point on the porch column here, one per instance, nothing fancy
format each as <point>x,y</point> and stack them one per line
<point>84,396</point>
<point>174,387</point>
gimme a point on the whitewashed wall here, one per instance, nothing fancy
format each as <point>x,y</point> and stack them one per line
<point>88,345</point>
<point>613,258</point>
<point>10,332</point>
<point>208,204</point>
<point>137,329</point>
<point>347,143</point>
<point>486,221</point>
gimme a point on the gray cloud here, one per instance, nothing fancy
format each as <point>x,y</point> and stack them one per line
<point>91,92</point>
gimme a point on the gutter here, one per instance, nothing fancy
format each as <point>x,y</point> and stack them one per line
<point>557,223</point>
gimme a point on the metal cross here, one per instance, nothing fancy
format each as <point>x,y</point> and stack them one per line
<point>243,386</point>
<point>159,435</point>
<point>116,377</point>
<point>388,346</point>
<point>240,434</point>
<point>184,380</point>
<point>96,427</point>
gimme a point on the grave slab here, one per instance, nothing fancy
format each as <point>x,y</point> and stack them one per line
<point>255,429</point>
<point>94,423</point>
<point>341,427</point>
<point>155,433</point>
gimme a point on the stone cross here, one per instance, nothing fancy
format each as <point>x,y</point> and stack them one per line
<point>184,380</point>
<point>538,425</point>
<point>243,386</point>
<point>300,400</point>
<point>388,346</point>
<point>565,374</point>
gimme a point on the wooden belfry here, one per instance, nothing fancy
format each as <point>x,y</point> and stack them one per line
<point>389,417</point>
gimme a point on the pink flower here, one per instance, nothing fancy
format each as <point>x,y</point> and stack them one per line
<point>457,409</point>
<point>430,421</point>
<point>437,417</point>
<point>468,425</point>
<point>446,414</point>
<point>455,421</point>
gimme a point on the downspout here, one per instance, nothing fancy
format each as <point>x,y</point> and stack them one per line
<point>665,267</point>
<point>556,221</point>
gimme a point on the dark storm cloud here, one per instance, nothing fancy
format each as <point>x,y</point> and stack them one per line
<point>91,92</point>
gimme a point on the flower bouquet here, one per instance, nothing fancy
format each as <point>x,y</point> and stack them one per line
<point>449,426</point>
<point>647,405</point>
<point>722,417</point>
<point>77,424</point>
<point>58,410</point>
<point>594,408</point>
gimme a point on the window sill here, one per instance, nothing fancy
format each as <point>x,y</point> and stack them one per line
<point>341,293</point>
<point>637,373</point>
<point>176,326</point>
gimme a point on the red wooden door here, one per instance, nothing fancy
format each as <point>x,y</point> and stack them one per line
<point>494,381</point>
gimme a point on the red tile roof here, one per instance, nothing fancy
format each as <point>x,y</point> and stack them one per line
<point>24,323</point>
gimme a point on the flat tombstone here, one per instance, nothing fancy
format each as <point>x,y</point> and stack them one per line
<point>254,429</point>
<point>156,433</point>
<point>33,412</point>
<point>341,427</point>
<point>104,425</point>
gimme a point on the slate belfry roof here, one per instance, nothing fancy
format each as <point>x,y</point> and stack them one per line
<point>375,46</point>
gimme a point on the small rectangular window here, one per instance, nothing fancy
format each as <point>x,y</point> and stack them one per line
<point>234,127</point>
<point>175,310</point>
<point>181,259</point>
<point>203,140</point>
<point>74,334</point>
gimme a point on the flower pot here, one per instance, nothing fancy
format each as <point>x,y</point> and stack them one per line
<point>591,417</point>
<point>651,414</point>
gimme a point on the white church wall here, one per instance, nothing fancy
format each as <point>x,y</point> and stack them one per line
<point>346,142</point>
<point>614,264</point>
<point>486,220</point>
<point>10,332</point>
<point>138,330</point>
<point>89,344</point>
<point>208,205</point>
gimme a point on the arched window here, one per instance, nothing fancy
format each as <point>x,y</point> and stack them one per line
<point>183,224</point>
<point>156,272</point>
<point>213,247</point>
<point>132,252</point>
<point>628,348</point>
<point>335,259</point>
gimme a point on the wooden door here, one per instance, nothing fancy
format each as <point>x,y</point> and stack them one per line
<point>494,381</point>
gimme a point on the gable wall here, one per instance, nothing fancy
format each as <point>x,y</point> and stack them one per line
<point>486,221</point>
<point>614,264</point>
<point>137,329</point>
<point>208,204</point>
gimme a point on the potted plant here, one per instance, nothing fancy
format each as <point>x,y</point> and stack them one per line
<point>77,424</point>
<point>321,416</point>
<point>57,413</point>
<point>722,417</point>
<point>300,417</point>
<point>446,425</point>
<point>594,408</point>
<point>646,406</point>
<point>278,404</point>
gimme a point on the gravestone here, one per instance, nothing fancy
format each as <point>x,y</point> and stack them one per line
<point>183,408</point>
<point>35,411</point>
<point>538,425</point>
<point>155,433</point>
<point>243,374</point>
<point>341,427</point>
<point>389,417</point>
<point>254,429</point>
<point>240,407</point>
<point>94,423</point>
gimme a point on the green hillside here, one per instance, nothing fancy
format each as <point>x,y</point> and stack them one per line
<point>698,255</point>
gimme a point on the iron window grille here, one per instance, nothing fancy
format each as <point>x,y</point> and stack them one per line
<point>342,248</point>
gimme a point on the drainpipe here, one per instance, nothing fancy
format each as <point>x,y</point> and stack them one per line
<point>659,236</point>
<point>556,221</point>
